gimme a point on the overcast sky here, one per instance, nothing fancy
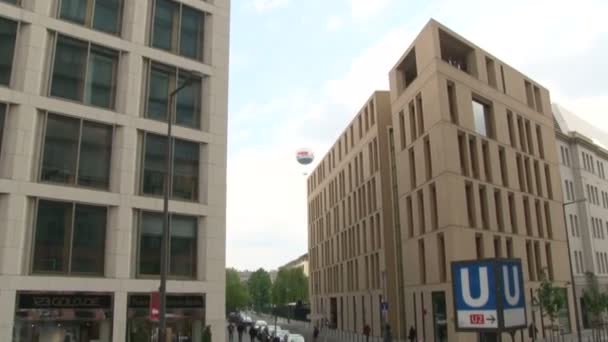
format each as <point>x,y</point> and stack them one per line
<point>300,70</point>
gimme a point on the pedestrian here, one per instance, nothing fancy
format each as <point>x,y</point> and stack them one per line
<point>388,336</point>
<point>366,332</point>
<point>286,338</point>
<point>253,332</point>
<point>412,334</point>
<point>230,332</point>
<point>207,334</point>
<point>532,331</point>
<point>315,334</point>
<point>266,334</point>
<point>240,329</point>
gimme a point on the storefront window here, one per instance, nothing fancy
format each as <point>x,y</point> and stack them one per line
<point>185,318</point>
<point>63,317</point>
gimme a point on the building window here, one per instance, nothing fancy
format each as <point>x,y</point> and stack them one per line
<point>487,163</point>
<point>479,246</point>
<point>3,113</point>
<point>8,37</point>
<point>428,164</point>
<point>512,213</point>
<point>503,166</point>
<point>548,181</point>
<point>509,247</point>
<point>103,15</point>
<point>497,247</point>
<point>511,127</point>
<point>412,169</point>
<point>491,71</point>
<point>410,216</point>
<point>422,261</point>
<point>182,249</point>
<point>484,123</point>
<point>483,201</point>
<point>162,80</point>
<point>413,129</point>
<point>441,259</point>
<point>462,153</point>
<point>452,103</point>
<point>401,129</point>
<point>499,210</point>
<point>421,212</point>
<point>185,164</point>
<point>84,72</point>
<point>539,139</point>
<point>434,206</point>
<point>69,238</point>
<point>76,152</point>
<point>474,156</point>
<point>178,28</point>
<point>420,114</point>
<point>548,220</point>
<point>470,203</point>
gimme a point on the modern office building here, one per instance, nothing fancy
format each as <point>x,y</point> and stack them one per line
<point>583,157</point>
<point>472,173</point>
<point>350,215</point>
<point>84,100</point>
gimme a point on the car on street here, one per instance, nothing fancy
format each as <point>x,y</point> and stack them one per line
<point>295,338</point>
<point>281,333</point>
<point>260,324</point>
<point>247,321</point>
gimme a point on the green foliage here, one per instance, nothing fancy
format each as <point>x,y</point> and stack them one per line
<point>290,286</point>
<point>259,285</point>
<point>237,296</point>
<point>550,298</point>
<point>595,300</point>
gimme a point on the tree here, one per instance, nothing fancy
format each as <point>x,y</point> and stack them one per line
<point>595,303</point>
<point>551,299</point>
<point>237,296</point>
<point>259,285</point>
<point>291,285</point>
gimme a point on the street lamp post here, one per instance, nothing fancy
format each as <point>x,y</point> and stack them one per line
<point>164,255</point>
<point>576,313</point>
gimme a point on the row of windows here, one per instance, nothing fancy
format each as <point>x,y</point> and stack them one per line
<point>365,120</point>
<point>345,277</point>
<point>88,73</point>
<point>521,135</point>
<point>534,261</point>
<point>597,227</point>
<point>574,228</point>
<point>570,194</point>
<point>70,238</point>
<point>337,189</point>
<point>601,259</point>
<point>605,199</point>
<point>419,212</point>
<point>588,164</point>
<point>79,152</point>
<point>592,194</point>
<point>175,27</point>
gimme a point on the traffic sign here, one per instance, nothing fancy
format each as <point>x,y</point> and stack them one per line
<point>488,295</point>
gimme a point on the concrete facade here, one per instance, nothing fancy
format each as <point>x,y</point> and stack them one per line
<point>301,262</point>
<point>475,175</point>
<point>28,98</point>
<point>583,168</point>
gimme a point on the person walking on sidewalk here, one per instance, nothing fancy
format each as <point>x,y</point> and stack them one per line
<point>388,336</point>
<point>412,334</point>
<point>240,330</point>
<point>315,334</point>
<point>230,332</point>
<point>253,333</point>
<point>366,332</point>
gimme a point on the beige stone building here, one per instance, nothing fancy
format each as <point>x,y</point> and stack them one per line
<point>350,214</point>
<point>475,175</point>
<point>301,262</point>
<point>583,158</point>
<point>84,100</point>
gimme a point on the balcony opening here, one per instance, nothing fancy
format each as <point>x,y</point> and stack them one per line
<point>457,54</point>
<point>407,70</point>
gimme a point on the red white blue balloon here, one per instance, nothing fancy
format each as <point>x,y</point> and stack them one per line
<point>305,156</point>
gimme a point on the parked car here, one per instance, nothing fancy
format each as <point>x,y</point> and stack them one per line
<point>247,321</point>
<point>260,324</point>
<point>296,338</point>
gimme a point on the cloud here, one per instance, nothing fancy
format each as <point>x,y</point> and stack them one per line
<point>266,5</point>
<point>362,10</point>
<point>335,23</point>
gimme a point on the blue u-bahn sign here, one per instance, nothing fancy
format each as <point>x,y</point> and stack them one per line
<point>489,295</point>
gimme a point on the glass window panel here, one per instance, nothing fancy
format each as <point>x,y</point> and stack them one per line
<point>15,2</point>
<point>191,33</point>
<point>479,111</point>
<point>60,149</point>
<point>154,164</point>
<point>165,17</point>
<point>183,245</point>
<point>8,34</point>
<point>107,15</point>
<point>150,243</point>
<point>101,74</point>
<point>69,68</point>
<point>95,154</point>
<point>158,93</point>
<point>73,10</point>
<point>52,236</point>
<point>188,103</point>
<point>89,239</point>
<point>185,178</point>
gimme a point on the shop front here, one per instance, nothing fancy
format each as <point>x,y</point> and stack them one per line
<point>63,317</point>
<point>185,318</point>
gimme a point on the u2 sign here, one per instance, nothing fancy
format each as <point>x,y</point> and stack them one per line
<point>489,295</point>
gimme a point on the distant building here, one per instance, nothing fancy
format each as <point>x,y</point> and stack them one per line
<point>583,160</point>
<point>301,262</point>
<point>244,275</point>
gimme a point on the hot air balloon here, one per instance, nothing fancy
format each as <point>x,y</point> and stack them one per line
<point>305,156</point>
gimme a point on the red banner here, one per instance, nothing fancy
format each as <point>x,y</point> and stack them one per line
<point>154,306</point>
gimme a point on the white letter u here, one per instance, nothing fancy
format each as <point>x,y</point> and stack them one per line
<point>484,293</point>
<point>512,299</point>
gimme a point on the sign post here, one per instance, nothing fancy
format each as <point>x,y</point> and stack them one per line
<point>489,295</point>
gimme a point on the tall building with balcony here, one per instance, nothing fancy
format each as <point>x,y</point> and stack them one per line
<point>84,100</point>
<point>478,176</point>
<point>350,219</point>
<point>583,158</point>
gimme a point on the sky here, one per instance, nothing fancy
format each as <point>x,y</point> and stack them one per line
<point>301,69</point>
